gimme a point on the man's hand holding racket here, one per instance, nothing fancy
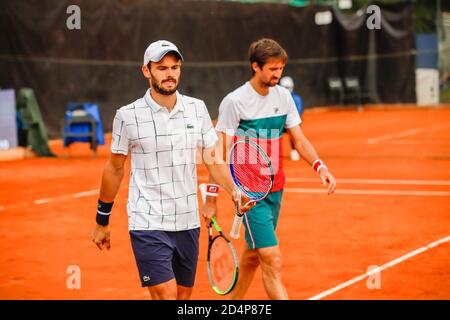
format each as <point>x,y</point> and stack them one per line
<point>209,211</point>
<point>242,202</point>
<point>210,205</point>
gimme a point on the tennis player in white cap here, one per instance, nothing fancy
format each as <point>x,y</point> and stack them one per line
<point>162,131</point>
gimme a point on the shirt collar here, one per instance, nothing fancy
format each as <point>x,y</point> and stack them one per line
<point>156,107</point>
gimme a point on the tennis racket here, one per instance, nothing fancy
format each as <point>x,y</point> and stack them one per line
<point>222,261</point>
<point>252,174</point>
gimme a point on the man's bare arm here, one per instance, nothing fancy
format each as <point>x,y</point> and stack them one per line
<point>217,167</point>
<point>303,145</point>
<point>223,145</point>
<point>111,179</point>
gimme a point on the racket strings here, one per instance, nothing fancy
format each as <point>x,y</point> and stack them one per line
<point>222,264</point>
<point>252,170</point>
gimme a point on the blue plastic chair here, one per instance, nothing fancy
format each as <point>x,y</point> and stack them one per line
<point>82,123</point>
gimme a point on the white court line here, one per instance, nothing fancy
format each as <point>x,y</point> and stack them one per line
<point>403,134</point>
<point>54,199</point>
<point>383,267</point>
<point>14,205</point>
<point>372,192</point>
<point>378,181</point>
<point>294,190</point>
<point>85,193</point>
<point>395,135</point>
<point>43,201</point>
<point>420,142</point>
<point>367,181</point>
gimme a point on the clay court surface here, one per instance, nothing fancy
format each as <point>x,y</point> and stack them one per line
<point>393,197</point>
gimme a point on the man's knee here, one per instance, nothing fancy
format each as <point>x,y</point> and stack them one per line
<point>164,291</point>
<point>184,293</point>
<point>270,261</point>
<point>251,258</point>
<point>274,263</point>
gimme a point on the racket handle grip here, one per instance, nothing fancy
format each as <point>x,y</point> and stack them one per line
<point>234,233</point>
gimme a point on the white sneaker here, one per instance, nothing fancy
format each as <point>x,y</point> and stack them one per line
<point>294,155</point>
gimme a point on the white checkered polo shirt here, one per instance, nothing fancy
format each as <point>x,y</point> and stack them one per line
<point>163,183</point>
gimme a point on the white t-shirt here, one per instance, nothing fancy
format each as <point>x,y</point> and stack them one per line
<point>245,103</point>
<point>163,182</point>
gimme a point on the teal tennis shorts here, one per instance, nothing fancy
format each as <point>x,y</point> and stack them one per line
<point>261,221</point>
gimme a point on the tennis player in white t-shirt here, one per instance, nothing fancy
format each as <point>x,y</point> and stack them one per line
<point>261,110</point>
<point>162,131</point>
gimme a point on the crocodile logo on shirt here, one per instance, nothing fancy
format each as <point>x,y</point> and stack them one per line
<point>190,126</point>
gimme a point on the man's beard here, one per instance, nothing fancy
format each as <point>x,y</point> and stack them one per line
<point>160,89</point>
<point>271,82</point>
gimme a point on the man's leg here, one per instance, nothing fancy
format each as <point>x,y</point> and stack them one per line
<point>270,255</point>
<point>184,263</point>
<point>270,260</point>
<point>247,266</point>
<point>260,223</point>
<point>164,291</point>
<point>184,293</point>
<point>153,253</point>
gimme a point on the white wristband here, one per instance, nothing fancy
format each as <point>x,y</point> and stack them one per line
<point>318,164</point>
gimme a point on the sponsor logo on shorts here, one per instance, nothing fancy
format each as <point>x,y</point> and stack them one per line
<point>146,278</point>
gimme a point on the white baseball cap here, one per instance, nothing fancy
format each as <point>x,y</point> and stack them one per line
<point>158,49</point>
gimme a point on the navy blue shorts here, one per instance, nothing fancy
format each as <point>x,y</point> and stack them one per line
<point>164,255</point>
